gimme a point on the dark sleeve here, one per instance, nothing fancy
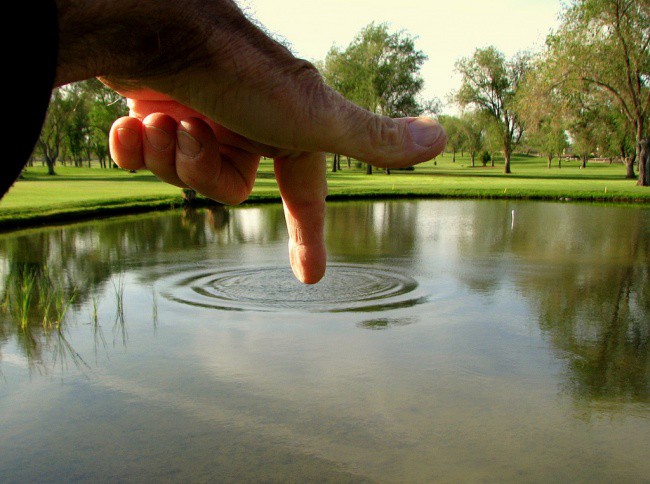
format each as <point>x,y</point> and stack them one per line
<point>30,65</point>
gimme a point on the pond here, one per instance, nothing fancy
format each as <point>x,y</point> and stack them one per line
<point>449,341</point>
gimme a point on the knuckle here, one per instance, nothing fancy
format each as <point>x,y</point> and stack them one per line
<point>385,133</point>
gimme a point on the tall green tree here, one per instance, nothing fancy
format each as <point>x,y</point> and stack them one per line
<point>379,71</point>
<point>490,83</point>
<point>604,46</point>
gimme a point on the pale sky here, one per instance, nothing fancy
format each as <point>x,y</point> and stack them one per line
<point>446,31</point>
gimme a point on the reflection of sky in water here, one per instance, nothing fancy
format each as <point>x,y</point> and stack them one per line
<point>519,361</point>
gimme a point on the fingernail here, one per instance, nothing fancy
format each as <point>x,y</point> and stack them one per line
<point>159,139</point>
<point>426,131</point>
<point>128,138</point>
<point>187,144</point>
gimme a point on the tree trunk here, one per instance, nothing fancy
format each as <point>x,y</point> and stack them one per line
<point>368,169</point>
<point>453,155</point>
<point>584,161</point>
<point>334,164</point>
<point>506,154</point>
<point>49,157</point>
<point>643,156</point>
<point>472,156</point>
<point>629,167</point>
<point>550,159</point>
<point>349,165</point>
<point>50,165</point>
<point>388,171</point>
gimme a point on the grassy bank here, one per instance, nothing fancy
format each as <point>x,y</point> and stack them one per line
<point>83,192</point>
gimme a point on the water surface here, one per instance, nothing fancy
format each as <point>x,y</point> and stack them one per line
<point>450,341</point>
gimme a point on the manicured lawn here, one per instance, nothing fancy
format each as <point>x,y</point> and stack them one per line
<point>76,192</point>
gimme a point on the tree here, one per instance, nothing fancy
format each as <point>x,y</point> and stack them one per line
<point>105,108</point>
<point>584,137</point>
<point>54,128</point>
<point>379,71</point>
<point>77,139</point>
<point>490,84</point>
<point>603,46</point>
<point>493,140</point>
<point>589,120</point>
<point>550,139</point>
<point>473,130</point>
<point>617,141</point>
<point>78,122</point>
<point>455,135</point>
<point>542,106</point>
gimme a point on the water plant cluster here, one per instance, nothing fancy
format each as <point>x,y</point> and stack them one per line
<point>41,303</point>
<point>35,296</point>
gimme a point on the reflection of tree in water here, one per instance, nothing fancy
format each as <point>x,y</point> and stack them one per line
<point>35,303</point>
<point>588,282</point>
<point>363,230</point>
<point>46,271</point>
<point>88,260</point>
<point>600,318</point>
<point>609,351</point>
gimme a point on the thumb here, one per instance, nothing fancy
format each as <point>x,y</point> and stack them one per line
<point>379,140</point>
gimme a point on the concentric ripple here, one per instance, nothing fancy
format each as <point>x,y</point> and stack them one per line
<point>345,287</point>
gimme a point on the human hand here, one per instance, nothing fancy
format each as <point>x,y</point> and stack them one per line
<point>201,68</point>
<point>186,149</point>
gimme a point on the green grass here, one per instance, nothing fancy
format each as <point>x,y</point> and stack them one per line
<point>83,192</point>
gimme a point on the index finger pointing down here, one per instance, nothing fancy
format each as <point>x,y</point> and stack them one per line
<point>303,188</point>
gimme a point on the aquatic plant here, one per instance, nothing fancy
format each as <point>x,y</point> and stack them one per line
<point>120,323</point>
<point>154,304</point>
<point>35,296</point>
